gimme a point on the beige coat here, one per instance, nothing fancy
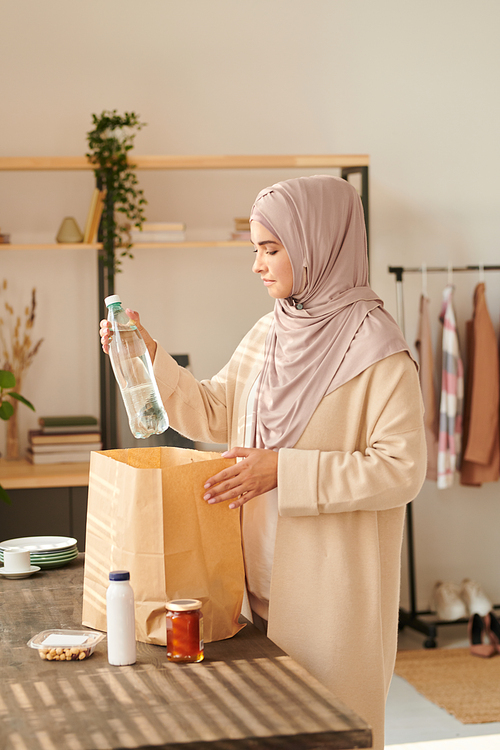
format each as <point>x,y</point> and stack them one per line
<point>342,491</point>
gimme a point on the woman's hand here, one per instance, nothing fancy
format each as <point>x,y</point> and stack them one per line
<point>106,334</point>
<point>256,474</point>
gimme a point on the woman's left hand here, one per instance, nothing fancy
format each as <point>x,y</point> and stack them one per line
<point>256,474</point>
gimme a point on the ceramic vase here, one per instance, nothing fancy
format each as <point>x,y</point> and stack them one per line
<point>69,231</point>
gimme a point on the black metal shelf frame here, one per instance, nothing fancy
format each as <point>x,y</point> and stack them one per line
<point>413,617</point>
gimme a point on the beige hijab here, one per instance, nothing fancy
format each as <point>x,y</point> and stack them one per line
<point>334,326</point>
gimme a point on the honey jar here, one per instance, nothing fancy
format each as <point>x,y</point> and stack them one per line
<point>184,630</point>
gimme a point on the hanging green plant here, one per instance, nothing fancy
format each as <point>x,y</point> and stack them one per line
<point>109,143</point>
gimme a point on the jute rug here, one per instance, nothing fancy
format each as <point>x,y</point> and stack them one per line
<point>466,686</point>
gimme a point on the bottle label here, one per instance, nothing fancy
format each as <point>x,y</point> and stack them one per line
<point>201,634</point>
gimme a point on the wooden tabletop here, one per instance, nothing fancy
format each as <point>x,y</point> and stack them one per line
<point>246,693</point>
<point>22,474</point>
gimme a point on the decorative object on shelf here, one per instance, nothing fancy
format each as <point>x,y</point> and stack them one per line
<point>109,144</point>
<point>69,231</point>
<point>17,354</point>
<point>4,238</point>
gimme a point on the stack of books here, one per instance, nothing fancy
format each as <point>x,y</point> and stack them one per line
<point>241,230</point>
<point>158,232</point>
<point>64,440</point>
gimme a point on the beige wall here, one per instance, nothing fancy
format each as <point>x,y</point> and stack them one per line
<point>415,85</point>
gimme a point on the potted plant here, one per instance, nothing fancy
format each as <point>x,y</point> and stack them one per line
<point>110,142</point>
<point>7,383</point>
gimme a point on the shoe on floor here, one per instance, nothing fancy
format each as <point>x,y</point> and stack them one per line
<point>492,627</point>
<point>476,631</point>
<point>474,597</point>
<point>447,602</point>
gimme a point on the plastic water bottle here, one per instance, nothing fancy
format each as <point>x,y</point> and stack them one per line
<point>120,615</point>
<point>134,373</point>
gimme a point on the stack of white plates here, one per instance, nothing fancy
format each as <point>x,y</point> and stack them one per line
<point>45,551</point>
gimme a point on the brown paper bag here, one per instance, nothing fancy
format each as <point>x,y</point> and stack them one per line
<point>146,515</point>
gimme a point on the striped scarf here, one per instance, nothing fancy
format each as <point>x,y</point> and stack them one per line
<point>452,393</point>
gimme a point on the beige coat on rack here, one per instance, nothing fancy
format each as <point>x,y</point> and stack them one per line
<point>481,457</point>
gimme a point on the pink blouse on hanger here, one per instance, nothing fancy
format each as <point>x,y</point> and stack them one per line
<point>452,389</point>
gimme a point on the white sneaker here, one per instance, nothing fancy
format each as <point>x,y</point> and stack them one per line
<point>447,601</point>
<point>474,597</point>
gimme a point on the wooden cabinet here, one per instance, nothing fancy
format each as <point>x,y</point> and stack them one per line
<point>46,500</point>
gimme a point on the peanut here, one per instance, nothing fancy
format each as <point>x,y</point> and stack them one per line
<point>64,654</point>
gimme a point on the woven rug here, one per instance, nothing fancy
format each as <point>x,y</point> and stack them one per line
<point>466,686</point>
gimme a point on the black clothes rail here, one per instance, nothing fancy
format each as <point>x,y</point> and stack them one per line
<point>413,617</point>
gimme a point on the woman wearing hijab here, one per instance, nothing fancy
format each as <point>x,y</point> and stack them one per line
<point>321,403</point>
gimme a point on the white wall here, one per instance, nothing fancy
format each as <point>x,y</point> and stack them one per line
<point>415,85</point>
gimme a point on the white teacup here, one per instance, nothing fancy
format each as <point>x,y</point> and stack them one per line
<point>16,561</point>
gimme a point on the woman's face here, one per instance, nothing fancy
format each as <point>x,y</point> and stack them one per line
<point>271,262</point>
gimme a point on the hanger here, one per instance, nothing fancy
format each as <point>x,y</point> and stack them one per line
<point>481,273</point>
<point>450,274</point>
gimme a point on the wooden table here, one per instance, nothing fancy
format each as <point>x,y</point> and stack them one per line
<point>246,693</point>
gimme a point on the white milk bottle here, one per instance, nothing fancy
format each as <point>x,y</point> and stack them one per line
<point>120,615</point>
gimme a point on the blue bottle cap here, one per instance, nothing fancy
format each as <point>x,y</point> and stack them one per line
<point>119,575</point>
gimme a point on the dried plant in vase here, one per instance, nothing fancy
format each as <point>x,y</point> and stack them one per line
<point>8,409</point>
<point>17,354</point>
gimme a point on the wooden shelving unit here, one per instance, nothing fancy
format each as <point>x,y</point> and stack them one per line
<point>284,161</point>
<point>346,163</point>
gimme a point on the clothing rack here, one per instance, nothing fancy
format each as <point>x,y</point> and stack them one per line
<point>413,617</point>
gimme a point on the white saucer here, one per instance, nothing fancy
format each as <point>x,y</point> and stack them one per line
<point>22,574</point>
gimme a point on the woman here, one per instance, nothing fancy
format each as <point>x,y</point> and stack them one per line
<point>321,401</point>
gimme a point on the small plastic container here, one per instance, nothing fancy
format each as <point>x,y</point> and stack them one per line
<point>65,645</point>
<point>185,631</point>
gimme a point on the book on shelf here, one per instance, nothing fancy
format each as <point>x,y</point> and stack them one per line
<point>37,437</point>
<point>94,216</point>
<point>241,232</point>
<point>90,215</point>
<point>64,447</point>
<point>158,232</point>
<point>241,236</point>
<point>58,457</point>
<point>242,224</point>
<point>163,226</point>
<point>68,424</point>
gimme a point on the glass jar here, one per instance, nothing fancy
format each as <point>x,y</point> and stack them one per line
<point>184,630</point>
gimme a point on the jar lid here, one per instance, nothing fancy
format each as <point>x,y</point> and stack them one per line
<point>183,605</point>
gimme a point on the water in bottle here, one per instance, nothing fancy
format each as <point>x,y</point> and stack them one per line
<point>134,373</point>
